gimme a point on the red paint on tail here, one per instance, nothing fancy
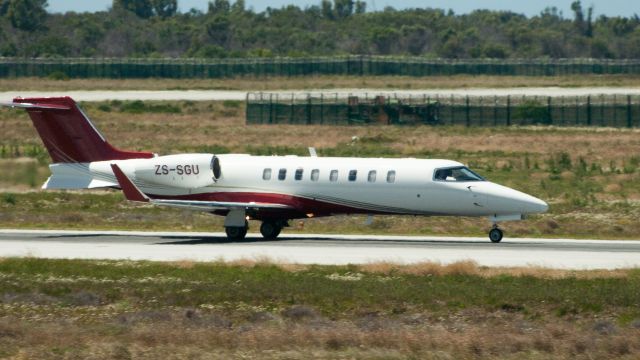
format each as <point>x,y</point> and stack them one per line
<point>69,135</point>
<point>131,192</point>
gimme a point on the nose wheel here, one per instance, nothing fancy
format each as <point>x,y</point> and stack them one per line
<point>495,235</point>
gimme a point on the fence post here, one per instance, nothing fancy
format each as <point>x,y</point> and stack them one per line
<point>589,110</point>
<point>549,110</point>
<point>495,110</point>
<point>261,108</point>
<point>508,110</point>
<point>480,117</point>
<point>564,121</point>
<point>335,108</point>
<point>615,110</point>
<point>602,122</point>
<point>451,111</point>
<point>629,123</point>
<point>467,111</point>
<point>322,108</point>
<point>308,109</point>
<point>270,108</point>
<point>291,108</point>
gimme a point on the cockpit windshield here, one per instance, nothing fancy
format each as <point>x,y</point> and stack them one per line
<point>460,173</point>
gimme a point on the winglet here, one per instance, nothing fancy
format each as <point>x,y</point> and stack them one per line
<point>130,190</point>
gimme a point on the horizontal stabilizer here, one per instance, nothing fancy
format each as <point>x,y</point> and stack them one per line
<point>79,182</point>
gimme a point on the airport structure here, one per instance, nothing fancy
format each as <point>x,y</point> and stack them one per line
<point>355,65</point>
<point>393,109</point>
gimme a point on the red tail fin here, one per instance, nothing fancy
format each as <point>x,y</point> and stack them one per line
<point>68,134</point>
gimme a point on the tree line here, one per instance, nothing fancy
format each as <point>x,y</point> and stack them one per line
<point>155,28</point>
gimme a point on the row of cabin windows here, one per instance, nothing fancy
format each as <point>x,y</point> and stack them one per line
<point>333,175</point>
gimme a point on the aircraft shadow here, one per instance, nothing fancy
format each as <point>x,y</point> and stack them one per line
<point>74,236</point>
<point>187,240</point>
<point>204,240</point>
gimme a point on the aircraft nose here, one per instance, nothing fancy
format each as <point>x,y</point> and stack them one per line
<point>535,205</point>
<point>506,200</point>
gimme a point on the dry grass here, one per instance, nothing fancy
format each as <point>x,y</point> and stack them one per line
<point>318,82</point>
<point>467,268</point>
<point>472,268</point>
<point>461,336</point>
<point>106,309</point>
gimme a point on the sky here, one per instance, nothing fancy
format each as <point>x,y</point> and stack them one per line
<point>626,8</point>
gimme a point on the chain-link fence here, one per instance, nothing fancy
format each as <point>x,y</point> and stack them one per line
<point>337,109</point>
<point>348,65</point>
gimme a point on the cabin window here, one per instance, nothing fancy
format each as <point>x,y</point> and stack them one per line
<point>391,176</point>
<point>460,173</point>
<point>282,174</point>
<point>315,174</point>
<point>266,174</point>
<point>372,176</point>
<point>298,175</point>
<point>333,176</point>
<point>352,175</point>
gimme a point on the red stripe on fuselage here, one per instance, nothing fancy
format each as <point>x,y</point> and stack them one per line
<point>301,205</point>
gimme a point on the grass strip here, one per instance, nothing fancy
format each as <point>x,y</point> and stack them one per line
<point>126,309</point>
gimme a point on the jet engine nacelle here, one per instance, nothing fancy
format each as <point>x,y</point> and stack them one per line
<point>182,171</point>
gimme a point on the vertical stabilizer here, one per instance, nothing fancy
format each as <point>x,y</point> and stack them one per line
<point>68,134</point>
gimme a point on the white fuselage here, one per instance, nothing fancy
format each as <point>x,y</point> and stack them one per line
<point>313,185</point>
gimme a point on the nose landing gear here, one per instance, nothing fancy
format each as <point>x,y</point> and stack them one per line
<point>495,235</point>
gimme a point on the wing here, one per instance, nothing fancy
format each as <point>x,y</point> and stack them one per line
<point>132,193</point>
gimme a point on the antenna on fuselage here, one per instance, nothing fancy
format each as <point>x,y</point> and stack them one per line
<point>312,151</point>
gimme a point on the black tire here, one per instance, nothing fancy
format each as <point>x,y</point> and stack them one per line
<point>236,233</point>
<point>495,235</point>
<point>270,230</point>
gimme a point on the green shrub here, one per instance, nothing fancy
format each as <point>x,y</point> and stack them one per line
<point>534,112</point>
<point>140,107</point>
<point>104,107</point>
<point>9,198</point>
<point>58,75</point>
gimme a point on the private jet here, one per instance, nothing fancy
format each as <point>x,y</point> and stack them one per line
<point>271,189</point>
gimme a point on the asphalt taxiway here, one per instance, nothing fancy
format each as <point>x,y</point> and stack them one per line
<point>320,249</point>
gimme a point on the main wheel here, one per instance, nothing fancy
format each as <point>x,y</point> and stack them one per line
<point>236,233</point>
<point>495,235</point>
<point>270,230</point>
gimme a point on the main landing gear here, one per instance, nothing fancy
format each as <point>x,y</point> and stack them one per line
<point>236,226</point>
<point>237,233</point>
<point>270,229</point>
<point>495,235</point>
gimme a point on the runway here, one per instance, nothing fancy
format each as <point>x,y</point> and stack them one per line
<point>221,95</point>
<point>320,249</point>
